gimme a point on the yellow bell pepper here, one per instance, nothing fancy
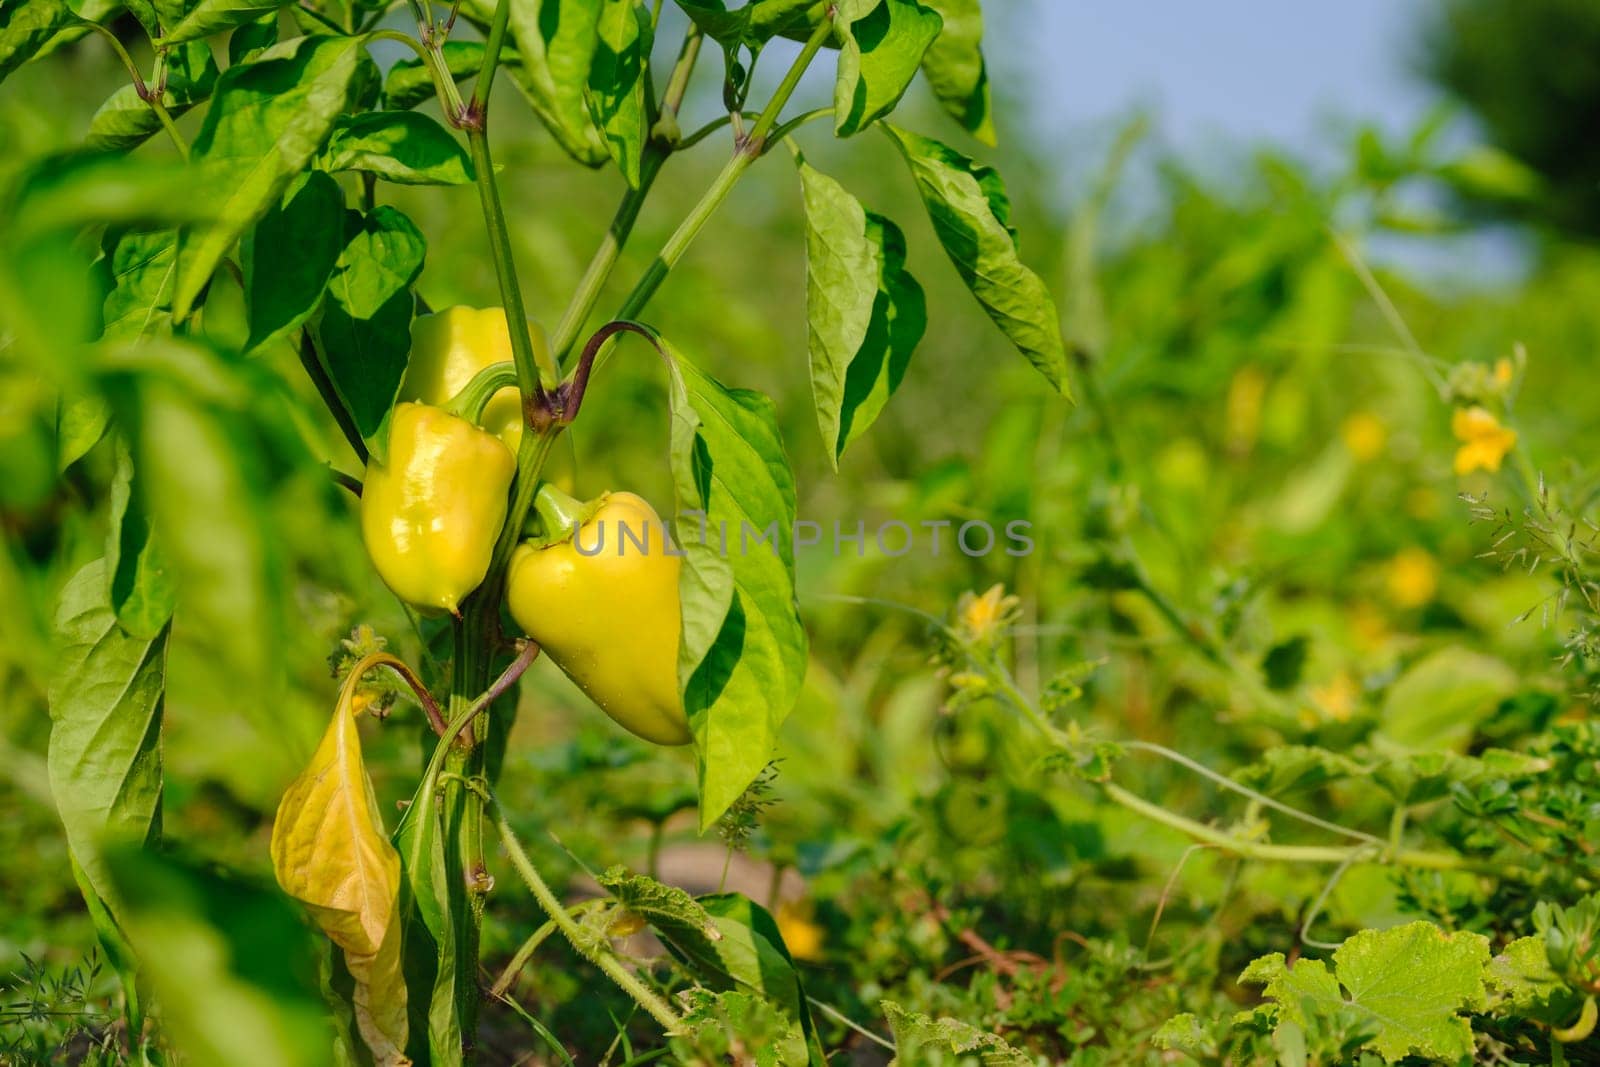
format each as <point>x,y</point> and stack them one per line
<point>608,615</point>
<point>450,346</point>
<point>430,516</point>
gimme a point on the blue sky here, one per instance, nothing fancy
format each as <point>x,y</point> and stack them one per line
<point>1218,71</point>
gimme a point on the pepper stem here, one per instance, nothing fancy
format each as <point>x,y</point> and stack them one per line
<point>560,513</point>
<point>469,403</point>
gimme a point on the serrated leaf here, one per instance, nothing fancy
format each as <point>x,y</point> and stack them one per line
<point>141,587</point>
<point>25,28</point>
<point>405,147</point>
<point>743,649</point>
<point>105,700</point>
<point>289,256</point>
<point>1409,985</point>
<point>213,16</point>
<point>267,121</point>
<point>127,120</point>
<point>365,328</point>
<point>882,45</point>
<point>330,853</point>
<point>556,41</point>
<point>618,83</point>
<point>408,82</point>
<point>967,204</point>
<point>955,68</point>
<point>1521,975</point>
<point>865,313</point>
<point>1287,768</point>
<point>231,963</point>
<point>917,1036</point>
<point>143,270</point>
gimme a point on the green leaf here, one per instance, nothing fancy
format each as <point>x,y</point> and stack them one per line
<point>26,27</point>
<point>139,582</point>
<point>188,449</point>
<point>971,216</point>
<point>268,120</point>
<point>865,312</point>
<point>105,727</point>
<point>289,256</point>
<point>213,16</point>
<point>81,421</point>
<point>365,328</point>
<point>743,650</point>
<point>430,902</point>
<point>556,41</point>
<point>126,120</point>
<point>919,1039</point>
<point>1522,977</point>
<point>955,68</point>
<point>252,38</point>
<point>232,965</point>
<point>409,83</point>
<point>405,147</point>
<point>618,83</point>
<point>755,23</point>
<point>883,42</point>
<point>143,270</point>
<point>1439,700</point>
<point>78,189</point>
<point>1408,985</point>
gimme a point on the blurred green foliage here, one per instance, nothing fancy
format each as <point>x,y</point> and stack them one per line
<point>1262,438</point>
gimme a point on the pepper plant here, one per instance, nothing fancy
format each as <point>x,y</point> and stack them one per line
<point>117,252</point>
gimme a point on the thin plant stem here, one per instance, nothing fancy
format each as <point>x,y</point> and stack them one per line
<point>750,148</point>
<point>165,118</point>
<point>581,940</point>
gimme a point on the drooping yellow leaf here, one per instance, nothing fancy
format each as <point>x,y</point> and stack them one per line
<point>329,851</point>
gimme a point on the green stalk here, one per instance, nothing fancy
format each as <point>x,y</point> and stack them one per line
<point>750,149</point>
<point>583,941</point>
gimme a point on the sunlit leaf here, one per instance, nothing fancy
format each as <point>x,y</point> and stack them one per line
<point>26,27</point>
<point>743,650</point>
<point>955,68</point>
<point>1409,984</point>
<point>268,119</point>
<point>883,42</point>
<point>105,726</point>
<point>409,83</point>
<point>919,1038</point>
<point>556,41</point>
<point>329,852</point>
<point>144,267</point>
<point>971,216</point>
<point>617,83</point>
<point>405,147</point>
<point>126,119</point>
<point>213,16</point>
<point>864,310</point>
<point>141,586</point>
<point>365,327</point>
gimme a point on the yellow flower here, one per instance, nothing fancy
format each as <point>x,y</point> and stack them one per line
<point>1484,442</point>
<point>1336,699</point>
<point>1413,578</point>
<point>1503,372</point>
<point>1243,418</point>
<point>1364,435</point>
<point>800,934</point>
<point>982,616</point>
